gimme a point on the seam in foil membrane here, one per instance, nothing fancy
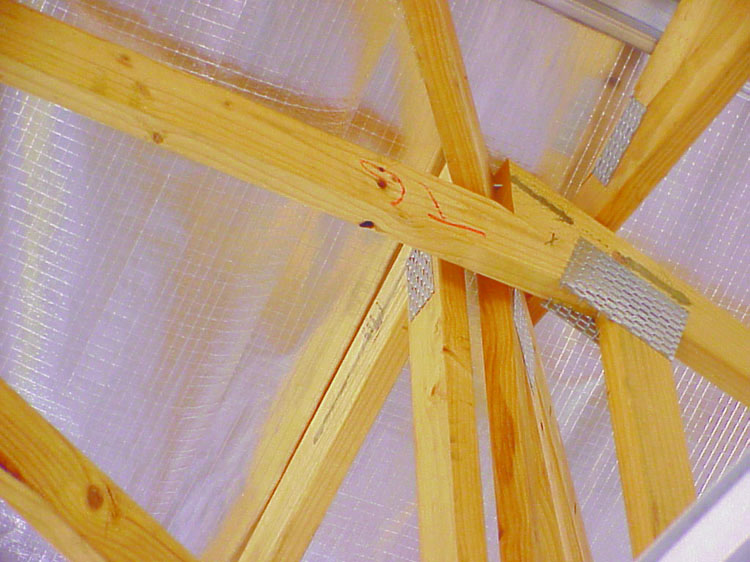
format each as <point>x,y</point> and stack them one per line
<point>619,141</point>
<point>523,329</point>
<point>625,298</point>
<point>581,322</point>
<point>420,281</point>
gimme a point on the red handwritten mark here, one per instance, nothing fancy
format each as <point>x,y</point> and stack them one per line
<point>382,177</point>
<point>444,220</point>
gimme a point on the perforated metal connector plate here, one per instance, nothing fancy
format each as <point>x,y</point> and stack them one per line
<point>420,282</point>
<point>523,329</point>
<point>619,141</point>
<point>625,298</point>
<point>578,320</point>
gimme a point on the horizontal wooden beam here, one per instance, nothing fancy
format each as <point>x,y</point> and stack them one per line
<point>651,448</point>
<point>208,124</point>
<point>672,87</point>
<point>713,340</point>
<point>57,489</point>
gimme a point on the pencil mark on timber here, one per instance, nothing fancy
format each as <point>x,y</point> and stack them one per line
<point>94,497</point>
<point>442,219</point>
<point>383,178</point>
<point>552,240</point>
<point>561,215</point>
<point>124,60</point>
<point>114,506</point>
<point>329,411</point>
<point>374,321</point>
<point>633,265</point>
<point>157,137</point>
<point>371,324</point>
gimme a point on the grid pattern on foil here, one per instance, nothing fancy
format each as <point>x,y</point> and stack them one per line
<point>619,141</point>
<point>625,298</point>
<point>339,66</point>
<point>420,282</point>
<point>581,322</point>
<point>374,514</point>
<point>611,103</point>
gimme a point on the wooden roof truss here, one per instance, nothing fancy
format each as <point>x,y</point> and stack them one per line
<point>511,229</point>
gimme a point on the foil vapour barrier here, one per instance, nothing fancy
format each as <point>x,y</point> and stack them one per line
<point>420,281</point>
<point>578,320</point>
<point>625,298</point>
<point>619,141</point>
<point>523,329</point>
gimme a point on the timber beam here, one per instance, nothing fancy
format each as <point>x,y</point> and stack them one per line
<point>67,498</point>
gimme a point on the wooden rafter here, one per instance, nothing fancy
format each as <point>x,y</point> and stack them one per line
<point>60,89</point>
<point>451,522</point>
<point>169,107</point>
<point>651,449</point>
<point>42,516</point>
<point>68,499</point>
<point>537,511</point>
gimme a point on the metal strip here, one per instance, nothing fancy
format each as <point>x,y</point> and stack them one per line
<point>619,141</point>
<point>523,329</point>
<point>625,298</point>
<point>578,320</point>
<point>420,281</point>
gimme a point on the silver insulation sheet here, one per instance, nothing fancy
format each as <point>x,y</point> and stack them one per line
<point>153,309</point>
